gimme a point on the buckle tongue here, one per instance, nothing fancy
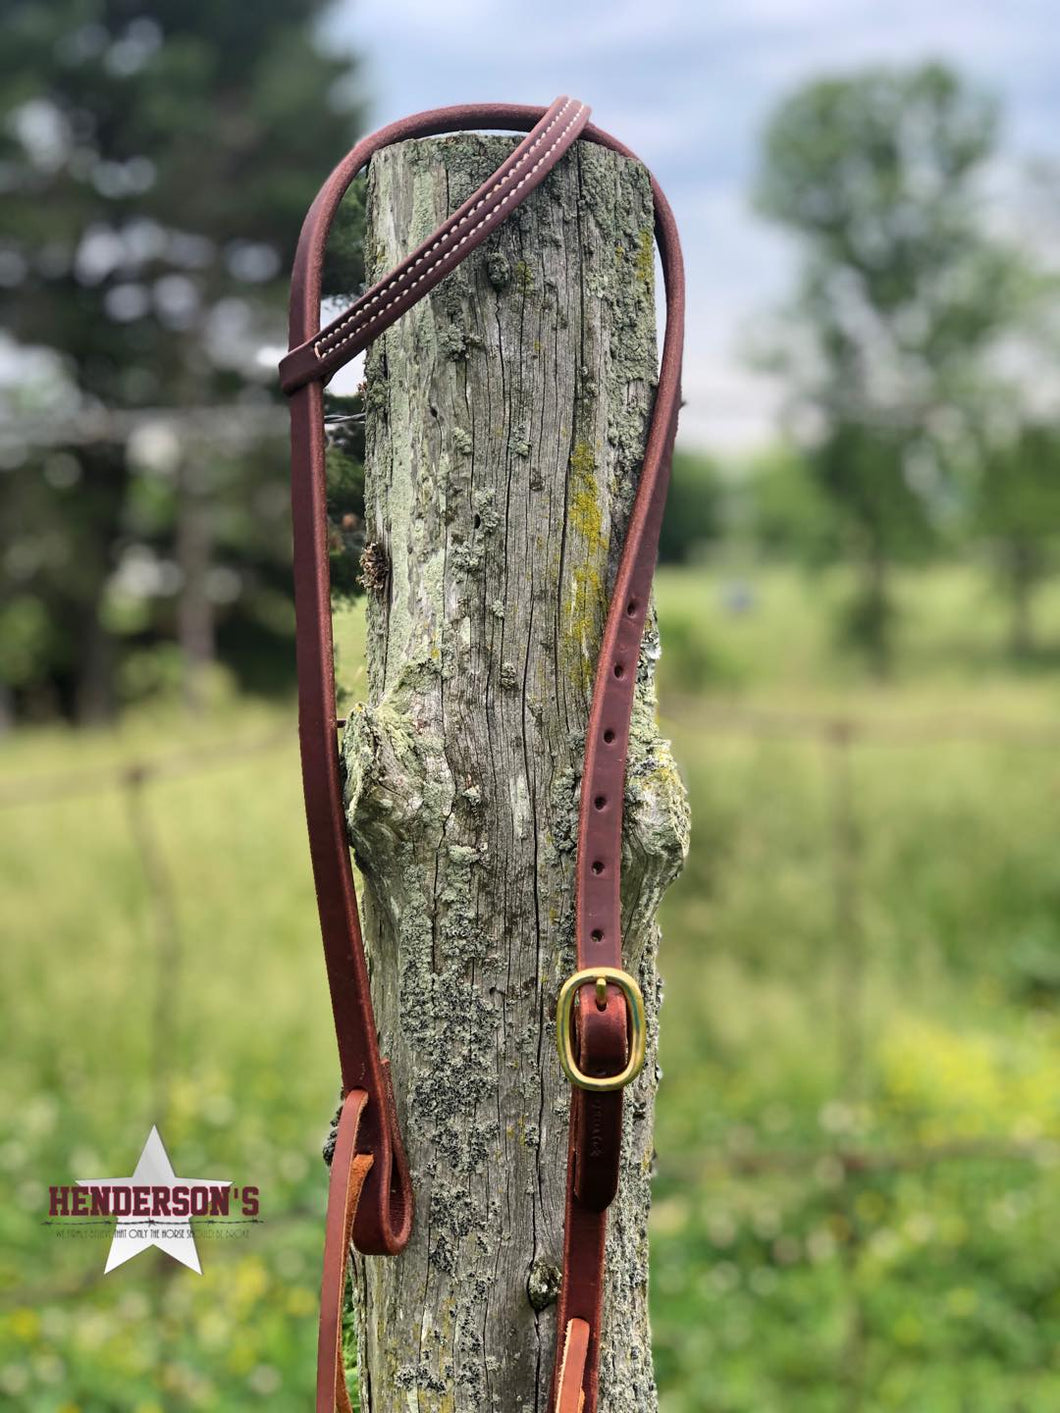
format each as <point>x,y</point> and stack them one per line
<point>600,977</point>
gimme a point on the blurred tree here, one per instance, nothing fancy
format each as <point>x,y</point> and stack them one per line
<point>693,508</point>
<point>156,160</point>
<point>345,466</point>
<point>902,292</point>
<point>787,512</point>
<point>1017,507</point>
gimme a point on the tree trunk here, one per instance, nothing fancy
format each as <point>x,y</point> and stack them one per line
<point>106,478</point>
<point>506,421</point>
<point>874,626</point>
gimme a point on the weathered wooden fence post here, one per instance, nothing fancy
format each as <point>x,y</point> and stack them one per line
<point>506,418</point>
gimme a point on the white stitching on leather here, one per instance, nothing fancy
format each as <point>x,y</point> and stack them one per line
<point>324,346</point>
<point>406,289</point>
<point>396,279</point>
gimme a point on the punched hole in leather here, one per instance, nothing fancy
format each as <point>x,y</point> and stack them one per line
<point>370,1197</point>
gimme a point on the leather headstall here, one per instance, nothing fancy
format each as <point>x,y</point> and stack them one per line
<point>600,1021</point>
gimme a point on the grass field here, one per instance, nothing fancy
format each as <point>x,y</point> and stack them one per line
<point>859,1124</point>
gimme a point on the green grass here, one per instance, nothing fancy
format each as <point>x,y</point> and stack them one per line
<point>80,971</point>
<point>862,956</point>
<point>876,977</point>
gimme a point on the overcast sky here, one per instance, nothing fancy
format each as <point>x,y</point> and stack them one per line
<point>688,84</point>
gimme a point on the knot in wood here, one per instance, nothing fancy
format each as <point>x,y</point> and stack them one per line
<point>543,1283</point>
<point>375,567</point>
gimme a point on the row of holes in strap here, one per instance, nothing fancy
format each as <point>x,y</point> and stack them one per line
<point>609,736</point>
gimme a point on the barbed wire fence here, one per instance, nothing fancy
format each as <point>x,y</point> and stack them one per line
<point>838,737</point>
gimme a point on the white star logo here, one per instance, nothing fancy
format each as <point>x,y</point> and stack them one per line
<point>173,1235</point>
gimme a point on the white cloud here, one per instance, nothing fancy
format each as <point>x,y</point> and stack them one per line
<point>688,86</point>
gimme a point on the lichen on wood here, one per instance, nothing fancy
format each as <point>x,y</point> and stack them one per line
<point>506,420</point>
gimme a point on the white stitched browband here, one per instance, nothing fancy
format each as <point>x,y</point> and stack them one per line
<point>324,346</point>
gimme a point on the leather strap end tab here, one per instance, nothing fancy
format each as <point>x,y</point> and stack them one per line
<point>298,367</point>
<point>383,1222</point>
<point>348,1172</point>
<point>570,1397</point>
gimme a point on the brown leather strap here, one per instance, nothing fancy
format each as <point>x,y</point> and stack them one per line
<point>571,1397</point>
<point>372,1167</point>
<point>349,1169</point>
<point>320,353</point>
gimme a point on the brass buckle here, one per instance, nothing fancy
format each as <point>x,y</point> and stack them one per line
<point>600,977</point>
